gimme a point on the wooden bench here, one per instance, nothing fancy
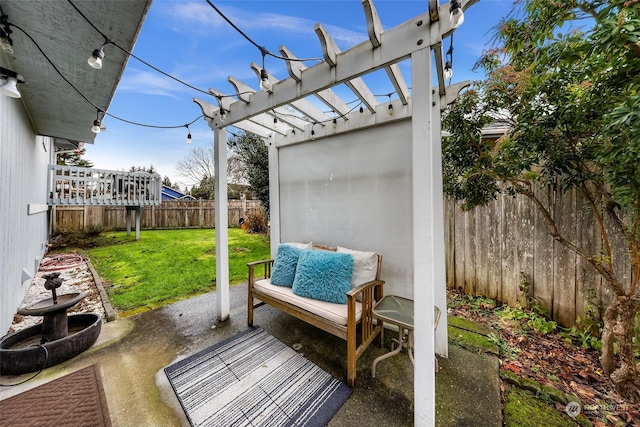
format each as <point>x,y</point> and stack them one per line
<point>358,330</point>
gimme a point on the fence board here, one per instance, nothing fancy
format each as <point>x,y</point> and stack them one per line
<point>588,280</point>
<point>524,247</point>
<point>482,243</point>
<point>459,239</point>
<point>564,291</point>
<point>470,252</point>
<point>543,268</point>
<point>494,250</point>
<point>449,240</point>
<point>509,266</point>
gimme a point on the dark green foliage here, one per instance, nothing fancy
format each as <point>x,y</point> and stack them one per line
<point>253,152</point>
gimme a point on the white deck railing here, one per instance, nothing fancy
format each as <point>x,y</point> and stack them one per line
<point>70,185</point>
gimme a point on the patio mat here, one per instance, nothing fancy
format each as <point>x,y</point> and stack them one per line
<point>76,399</point>
<point>252,379</point>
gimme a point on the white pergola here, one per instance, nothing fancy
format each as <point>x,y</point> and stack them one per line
<point>371,179</point>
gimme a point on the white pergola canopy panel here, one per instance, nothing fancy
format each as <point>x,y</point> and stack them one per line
<point>353,190</point>
<point>369,180</point>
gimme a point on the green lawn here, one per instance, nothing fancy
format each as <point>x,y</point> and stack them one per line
<point>165,266</point>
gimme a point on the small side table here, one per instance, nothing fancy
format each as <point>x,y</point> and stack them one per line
<point>397,311</point>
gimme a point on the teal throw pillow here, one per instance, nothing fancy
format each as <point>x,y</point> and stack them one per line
<point>324,276</point>
<point>284,266</point>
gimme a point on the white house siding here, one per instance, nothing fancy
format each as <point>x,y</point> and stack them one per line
<point>24,157</point>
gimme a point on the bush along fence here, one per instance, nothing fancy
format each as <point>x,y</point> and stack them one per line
<point>168,215</point>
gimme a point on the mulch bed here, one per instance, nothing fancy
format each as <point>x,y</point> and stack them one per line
<point>552,361</point>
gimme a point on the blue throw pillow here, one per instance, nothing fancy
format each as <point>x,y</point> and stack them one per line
<point>323,275</point>
<point>284,266</point>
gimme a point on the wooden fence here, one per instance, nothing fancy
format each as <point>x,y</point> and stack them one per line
<point>169,214</point>
<point>504,251</point>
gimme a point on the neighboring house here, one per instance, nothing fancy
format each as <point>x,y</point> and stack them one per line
<point>50,115</point>
<point>169,193</point>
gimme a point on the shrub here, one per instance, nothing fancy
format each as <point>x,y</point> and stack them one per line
<point>256,222</point>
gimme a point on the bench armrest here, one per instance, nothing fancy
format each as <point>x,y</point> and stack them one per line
<point>267,264</point>
<point>255,263</point>
<point>377,285</point>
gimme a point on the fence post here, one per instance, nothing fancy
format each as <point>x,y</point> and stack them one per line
<point>200,213</point>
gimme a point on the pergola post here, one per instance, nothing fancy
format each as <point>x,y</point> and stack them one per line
<point>221,224</point>
<point>425,230</point>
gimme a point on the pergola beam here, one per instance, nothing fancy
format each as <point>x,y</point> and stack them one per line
<point>331,52</point>
<point>305,107</point>
<point>397,44</point>
<point>375,29</point>
<point>327,96</point>
<point>243,91</point>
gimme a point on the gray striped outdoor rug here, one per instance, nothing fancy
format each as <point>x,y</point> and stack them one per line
<point>252,379</point>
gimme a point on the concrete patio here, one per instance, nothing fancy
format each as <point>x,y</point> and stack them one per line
<point>132,353</point>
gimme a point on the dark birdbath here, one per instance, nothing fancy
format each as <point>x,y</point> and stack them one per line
<point>53,310</point>
<point>61,337</point>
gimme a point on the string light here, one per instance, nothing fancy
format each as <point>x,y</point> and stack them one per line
<point>96,123</point>
<point>57,70</point>
<point>448,71</point>
<point>188,134</point>
<point>95,60</point>
<point>265,85</point>
<point>456,15</point>
<point>129,53</point>
<point>448,66</point>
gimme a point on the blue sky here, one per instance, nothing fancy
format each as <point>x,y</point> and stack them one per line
<point>190,41</point>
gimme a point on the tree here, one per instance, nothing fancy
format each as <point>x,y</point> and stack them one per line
<point>73,158</point>
<point>572,98</point>
<point>253,153</point>
<point>205,190</point>
<point>199,164</point>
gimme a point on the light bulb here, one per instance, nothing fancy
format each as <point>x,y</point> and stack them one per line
<point>448,71</point>
<point>391,109</point>
<point>189,138</point>
<point>96,126</point>
<point>10,88</point>
<point>335,123</point>
<point>361,110</point>
<point>456,15</point>
<point>95,60</point>
<point>264,80</point>
<point>223,115</point>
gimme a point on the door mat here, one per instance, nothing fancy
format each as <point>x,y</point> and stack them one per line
<point>76,399</point>
<point>252,379</point>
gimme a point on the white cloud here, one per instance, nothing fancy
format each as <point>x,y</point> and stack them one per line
<point>201,18</point>
<point>149,83</point>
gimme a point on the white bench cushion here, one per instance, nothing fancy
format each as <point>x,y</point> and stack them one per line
<point>336,313</point>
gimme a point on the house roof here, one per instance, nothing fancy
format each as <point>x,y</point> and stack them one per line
<point>55,30</point>
<point>169,193</point>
